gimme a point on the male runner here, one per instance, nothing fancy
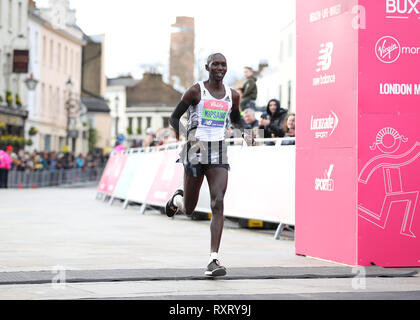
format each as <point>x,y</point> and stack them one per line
<point>209,104</point>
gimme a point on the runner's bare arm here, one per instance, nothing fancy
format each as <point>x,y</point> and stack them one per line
<point>190,98</point>
<point>235,114</point>
<point>235,117</point>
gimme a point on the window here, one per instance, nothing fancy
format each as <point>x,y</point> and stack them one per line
<point>43,99</point>
<point>57,103</point>
<point>291,42</point>
<point>47,142</point>
<point>36,49</point>
<point>166,122</point>
<point>76,63</point>
<point>63,104</point>
<point>65,59</point>
<point>50,101</point>
<point>19,27</point>
<point>44,50</point>
<point>281,51</point>
<point>51,53</point>
<point>59,56</point>
<point>10,19</point>
<point>289,101</point>
<point>280,94</point>
<point>149,122</point>
<point>71,62</point>
<point>139,131</point>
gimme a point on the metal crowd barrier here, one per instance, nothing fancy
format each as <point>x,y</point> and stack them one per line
<point>59,177</point>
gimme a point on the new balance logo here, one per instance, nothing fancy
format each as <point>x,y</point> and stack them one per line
<point>325,57</point>
<point>324,64</point>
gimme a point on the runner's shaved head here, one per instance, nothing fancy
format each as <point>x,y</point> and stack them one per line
<point>213,56</point>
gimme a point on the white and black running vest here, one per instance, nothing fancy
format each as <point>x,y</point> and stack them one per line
<point>209,118</point>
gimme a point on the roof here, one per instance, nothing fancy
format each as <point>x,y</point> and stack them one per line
<point>122,81</point>
<point>96,104</point>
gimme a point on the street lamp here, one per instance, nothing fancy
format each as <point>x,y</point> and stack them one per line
<point>31,83</point>
<point>69,87</point>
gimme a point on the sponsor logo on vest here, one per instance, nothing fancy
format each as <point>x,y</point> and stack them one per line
<point>326,183</point>
<point>324,127</point>
<point>324,64</point>
<point>399,89</point>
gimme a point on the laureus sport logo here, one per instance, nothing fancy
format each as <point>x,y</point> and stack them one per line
<point>388,49</point>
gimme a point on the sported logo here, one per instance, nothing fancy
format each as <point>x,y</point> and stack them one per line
<point>388,49</point>
<point>325,183</point>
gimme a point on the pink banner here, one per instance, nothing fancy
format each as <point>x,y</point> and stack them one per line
<point>112,173</point>
<point>168,179</point>
<point>358,109</point>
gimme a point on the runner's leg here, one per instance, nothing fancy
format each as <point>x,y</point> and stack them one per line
<point>217,179</point>
<point>192,186</point>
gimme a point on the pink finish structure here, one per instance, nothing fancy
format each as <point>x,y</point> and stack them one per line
<point>358,142</point>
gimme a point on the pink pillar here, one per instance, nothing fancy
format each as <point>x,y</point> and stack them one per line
<point>358,142</point>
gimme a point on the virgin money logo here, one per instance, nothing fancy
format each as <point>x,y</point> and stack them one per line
<point>388,49</point>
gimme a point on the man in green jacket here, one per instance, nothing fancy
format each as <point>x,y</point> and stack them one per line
<point>249,90</point>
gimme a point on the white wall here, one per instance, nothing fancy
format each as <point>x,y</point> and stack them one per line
<point>13,22</point>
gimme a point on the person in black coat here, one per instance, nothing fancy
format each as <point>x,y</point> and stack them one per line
<point>272,121</point>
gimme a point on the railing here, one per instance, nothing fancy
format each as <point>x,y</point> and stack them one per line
<point>59,177</point>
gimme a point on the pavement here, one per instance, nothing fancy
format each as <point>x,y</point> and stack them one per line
<point>64,243</point>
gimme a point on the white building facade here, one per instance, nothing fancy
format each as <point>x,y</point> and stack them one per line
<point>278,81</point>
<point>56,52</point>
<point>13,36</point>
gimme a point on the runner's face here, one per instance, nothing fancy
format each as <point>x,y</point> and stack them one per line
<point>217,68</point>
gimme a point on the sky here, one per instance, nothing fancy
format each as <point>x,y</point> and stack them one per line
<point>137,32</point>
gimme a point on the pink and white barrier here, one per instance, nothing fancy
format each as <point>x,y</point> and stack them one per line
<point>266,193</point>
<point>358,148</point>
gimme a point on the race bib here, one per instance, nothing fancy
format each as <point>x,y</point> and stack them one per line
<point>214,113</point>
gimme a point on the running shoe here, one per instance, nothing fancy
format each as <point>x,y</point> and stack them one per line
<point>171,209</point>
<point>215,269</point>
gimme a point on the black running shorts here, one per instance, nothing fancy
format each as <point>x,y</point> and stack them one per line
<point>199,157</point>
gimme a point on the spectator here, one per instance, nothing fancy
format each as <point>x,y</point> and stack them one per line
<point>80,162</point>
<point>250,122</point>
<point>149,141</point>
<point>272,121</point>
<point>249,90</point>
<point>44,160</point>
<point>5,166</point>
<point>163,138</point>
<point>289,125</point>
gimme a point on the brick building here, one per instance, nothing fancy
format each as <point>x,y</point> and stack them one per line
<point>181,64</point>
<point>149,103</point>
<point>93,90</point>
